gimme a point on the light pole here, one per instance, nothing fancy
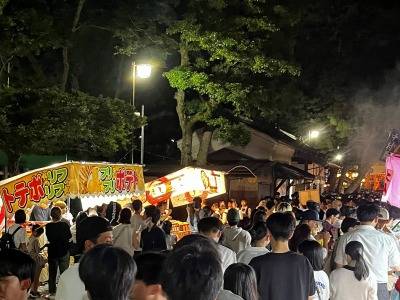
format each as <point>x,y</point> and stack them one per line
<point>142,71</point>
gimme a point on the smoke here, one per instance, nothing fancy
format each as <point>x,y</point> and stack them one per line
<point>376,112</point>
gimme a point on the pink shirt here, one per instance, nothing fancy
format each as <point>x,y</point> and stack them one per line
<point>391,192</point>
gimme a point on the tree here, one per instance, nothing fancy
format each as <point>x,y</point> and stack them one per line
<point>25,31</point>
<point>3,3</point>
<point>50,121</point>
<point>226,50</point>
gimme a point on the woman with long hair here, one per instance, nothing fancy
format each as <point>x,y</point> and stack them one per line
<point>241,280</point>
<point>354,280</point>
<point>315,255</point>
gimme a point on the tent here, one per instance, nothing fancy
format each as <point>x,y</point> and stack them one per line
<point>85,180</point>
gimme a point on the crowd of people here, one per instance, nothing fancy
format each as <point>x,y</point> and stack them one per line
<point>343,247</point>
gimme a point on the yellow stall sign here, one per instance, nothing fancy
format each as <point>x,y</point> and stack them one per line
<point>69,180</point>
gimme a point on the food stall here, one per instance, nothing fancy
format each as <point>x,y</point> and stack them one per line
<point>93,183</point>
<point>181,187</point>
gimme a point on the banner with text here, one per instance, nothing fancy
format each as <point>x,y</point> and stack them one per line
<point>70,180</point>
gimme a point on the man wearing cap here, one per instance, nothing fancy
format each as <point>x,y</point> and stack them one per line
<point>234,237</point>
<point>91,231</point>
<point>311,218</point>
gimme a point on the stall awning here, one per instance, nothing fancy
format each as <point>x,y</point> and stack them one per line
<point>263,167</point>
<point>286,171</point>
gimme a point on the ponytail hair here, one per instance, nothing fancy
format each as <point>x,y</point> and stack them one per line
<point>355,250</point>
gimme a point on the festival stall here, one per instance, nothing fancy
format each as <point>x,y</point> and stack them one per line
<point>181,187</point>
<point>391,191</point>
<point>93,183</point>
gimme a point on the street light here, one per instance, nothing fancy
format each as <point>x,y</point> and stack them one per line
<point>314,134</point>
<point>338,157</point>
<point>141,71</point>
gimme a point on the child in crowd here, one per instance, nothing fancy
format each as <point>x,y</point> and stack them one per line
<point>35,251</point>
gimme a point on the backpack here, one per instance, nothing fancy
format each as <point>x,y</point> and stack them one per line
<point>7,240</point>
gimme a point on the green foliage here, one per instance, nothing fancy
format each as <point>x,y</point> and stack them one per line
<point>27,31</point>
<point>232,52</point>
<point>49,121</point>
<point>234,133</point>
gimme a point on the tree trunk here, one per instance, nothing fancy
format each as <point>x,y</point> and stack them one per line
<point>341,179</point>
<point>186,146</point>
<point>13,163</point>
<point>65,69</point>
<point>362,172</point>
<point>74,82</point>
<point>77,15</point>
<point>37,68</point>
<point>65,49</point>
<point>332,180</point>
<point>186,128</point>
<point>205,142</point>
<point>185,122</point>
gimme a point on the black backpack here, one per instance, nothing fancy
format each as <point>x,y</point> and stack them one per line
<point>7,240</point>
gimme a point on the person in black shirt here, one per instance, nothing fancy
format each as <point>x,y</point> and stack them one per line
<point>283,274</point>
<point>153,237</point>
<point>58,234</point>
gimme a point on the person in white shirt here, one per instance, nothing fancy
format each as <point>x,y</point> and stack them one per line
<point>18,231</point>
<point>234,237</point>
<point>380,251</point>
<point>92,231</point>
<point>260,239</point>
<point>137,222</point>
<point>123,233</point>
<point>353,281</point>
<point>211,227</point>
<point>193,211</point>
<point>315,255</point>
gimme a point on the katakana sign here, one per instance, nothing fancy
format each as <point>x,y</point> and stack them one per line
<point>70,179</point>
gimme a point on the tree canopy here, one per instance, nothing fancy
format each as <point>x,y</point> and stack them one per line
<point>48,121</point>
<point>296,65</point>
